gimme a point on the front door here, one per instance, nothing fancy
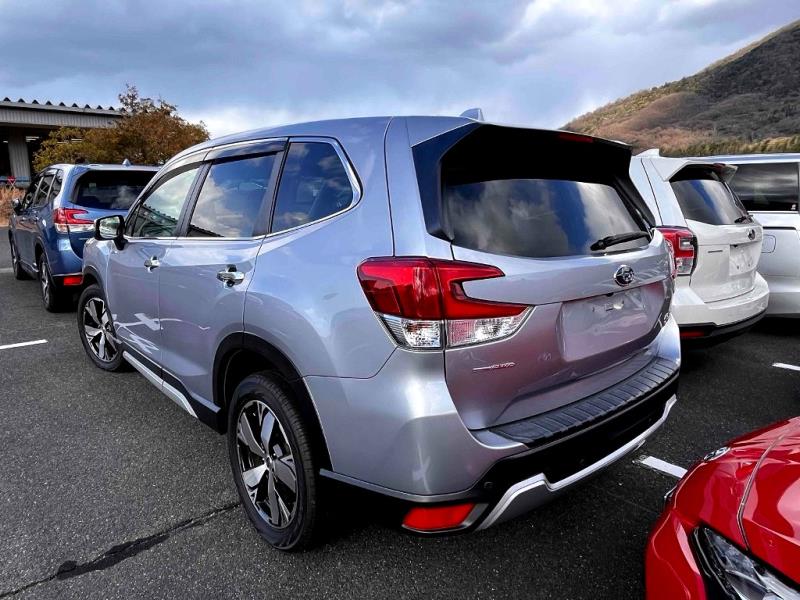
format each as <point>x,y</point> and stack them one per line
<point>134,270</point>
<point>205,272</point>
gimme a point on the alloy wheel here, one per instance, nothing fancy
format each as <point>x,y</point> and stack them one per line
<point>14,259</point>
<point>99,330</point>
<point>44,279</point>
<point>267,464</point>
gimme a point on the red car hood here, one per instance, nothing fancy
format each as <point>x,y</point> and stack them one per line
<point>771,512</point>
<point>751,495</point>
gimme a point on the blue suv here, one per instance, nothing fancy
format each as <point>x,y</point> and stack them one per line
<point>55,217</point>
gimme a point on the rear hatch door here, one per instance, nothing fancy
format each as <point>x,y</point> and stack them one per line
<point>537,205</point>
<point>102,193</point>
<point>728,239</point>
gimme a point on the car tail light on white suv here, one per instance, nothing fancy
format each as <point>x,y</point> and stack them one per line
<point>424,306</point>
<point>684,248</point>
<point>66,220</point>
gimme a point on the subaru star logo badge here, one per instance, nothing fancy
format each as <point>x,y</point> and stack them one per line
<point>751,235</point>
<point>624,275</point>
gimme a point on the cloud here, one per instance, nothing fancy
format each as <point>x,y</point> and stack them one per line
<point>239,65</point>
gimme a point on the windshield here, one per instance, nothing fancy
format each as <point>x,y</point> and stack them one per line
<point>704,197</point>
<point>110,190</point>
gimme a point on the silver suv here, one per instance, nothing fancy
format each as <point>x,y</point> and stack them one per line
<point>464,317</point>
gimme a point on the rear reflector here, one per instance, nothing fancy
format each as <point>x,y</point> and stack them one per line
<point>684,248</point>
<point>692,333</point>
<point>421,300</point>
<point>72,280</point>
<point>437,518</point>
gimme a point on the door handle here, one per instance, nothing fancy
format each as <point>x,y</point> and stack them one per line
<point>230,277</point>
<point>152,263</point>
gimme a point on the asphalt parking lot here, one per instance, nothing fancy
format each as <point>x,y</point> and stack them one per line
<point>109,490</point>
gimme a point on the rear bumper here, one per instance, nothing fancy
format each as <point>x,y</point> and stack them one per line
<point>690,310</point>
<point>706,334</point>
<point>62,259</point>
<point>534,491</point>
<point>540,469</point>
<point>784,296</point>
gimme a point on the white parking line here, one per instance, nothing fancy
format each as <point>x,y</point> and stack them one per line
<point>5,270</point>
<point>22,344</point>
<point>785,366</point>
<point>651,462</point>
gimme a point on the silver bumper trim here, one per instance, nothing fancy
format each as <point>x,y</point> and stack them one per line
<point>526,495</point>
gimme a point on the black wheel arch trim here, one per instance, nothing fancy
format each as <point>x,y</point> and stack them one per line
<point>89,271</point>
<point>242,341</point>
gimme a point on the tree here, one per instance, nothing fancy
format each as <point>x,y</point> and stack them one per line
<point>150,132</point>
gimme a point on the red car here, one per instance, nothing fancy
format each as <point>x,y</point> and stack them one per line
<point>731,528</point>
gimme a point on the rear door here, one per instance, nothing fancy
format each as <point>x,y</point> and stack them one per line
<point>544,207</point>
<point>131,284</point>
<point>728,239</point>
<point>206,271</point>
<point>770,192</point>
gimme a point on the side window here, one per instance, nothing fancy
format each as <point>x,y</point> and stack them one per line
<point>767,187</point>
<point>44,189</point>
<point>30,193</point>
<point>158,215</point>
<point>231,198</point>
<point>55,188</point>
<point>314,185</point>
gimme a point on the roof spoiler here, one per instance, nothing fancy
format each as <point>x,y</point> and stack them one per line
<point>668,167</point>
<point>476,114</point>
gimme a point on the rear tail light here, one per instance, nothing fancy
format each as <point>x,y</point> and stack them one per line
<point>437,518</point>
<point>424,306</point>
<point>684,248</point>
<point>66,220</point>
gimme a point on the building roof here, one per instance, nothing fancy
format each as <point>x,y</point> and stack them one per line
<point>60,107</point>
<point>35,114</point>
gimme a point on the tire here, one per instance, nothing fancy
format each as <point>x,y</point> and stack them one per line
<point>51,295</point>
<point>96,329</point>
<point>290,521</point>
<point>18,270</point>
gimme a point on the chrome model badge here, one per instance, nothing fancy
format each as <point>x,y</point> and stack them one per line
<point>624,275</point>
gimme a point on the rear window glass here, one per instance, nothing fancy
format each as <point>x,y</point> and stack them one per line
<point>767,187</point>
<point>536,194</point>
<point>537,217</point>
<point>110,190</point>
<point>704,197</point>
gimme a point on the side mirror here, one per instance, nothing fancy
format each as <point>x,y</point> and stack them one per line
<point>16,205</point>
<point>112,229</point>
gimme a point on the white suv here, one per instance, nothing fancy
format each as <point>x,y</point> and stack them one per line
<point>769,187</point>
<point>717,245</point>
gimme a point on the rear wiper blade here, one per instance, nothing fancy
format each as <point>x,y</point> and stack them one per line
<point>620,238</point>
<point>744,219</point>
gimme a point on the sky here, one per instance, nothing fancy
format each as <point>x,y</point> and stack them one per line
<point>247,64</point>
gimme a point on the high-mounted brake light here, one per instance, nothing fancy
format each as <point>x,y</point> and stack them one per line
<point>684,248</point>
<point>66,220</point>
<point>422,302</point>
<point>575,137</point>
